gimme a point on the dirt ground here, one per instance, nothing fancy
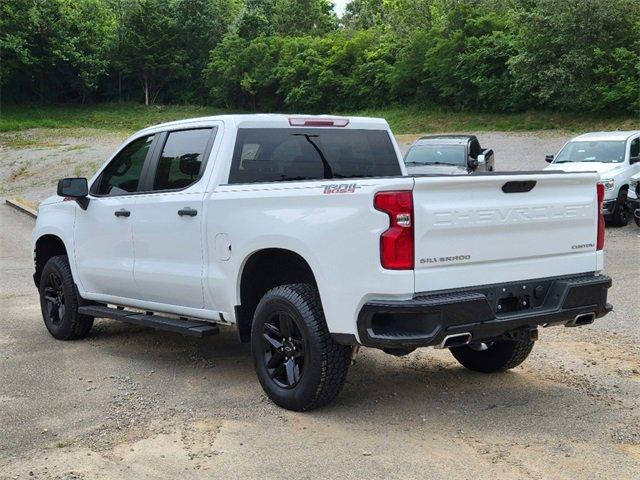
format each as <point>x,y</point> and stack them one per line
<point>130,402</point>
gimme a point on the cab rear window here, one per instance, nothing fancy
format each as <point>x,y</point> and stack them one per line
<point>291,154</point>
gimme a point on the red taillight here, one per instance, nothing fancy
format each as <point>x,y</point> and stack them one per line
<point>396,243</point>
<point>600,242</point>
<point>318,122</point>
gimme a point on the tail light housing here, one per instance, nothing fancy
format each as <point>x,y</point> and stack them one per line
<point>396,243</point>
<point>600,241</point>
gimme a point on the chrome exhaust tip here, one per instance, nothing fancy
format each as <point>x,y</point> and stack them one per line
<point>455,340</point>
<point>582,319</point>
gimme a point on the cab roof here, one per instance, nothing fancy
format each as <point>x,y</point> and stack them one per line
<point>604,136</point>
<point>273,120</point>
<point>448,139</point>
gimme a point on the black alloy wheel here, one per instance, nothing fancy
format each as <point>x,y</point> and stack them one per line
<point>59,301</point>
<point>283,349</point>
<point>299,365</point>
<point>54,297</point>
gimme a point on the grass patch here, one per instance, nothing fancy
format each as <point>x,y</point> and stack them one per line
<point>27,203</point>
<point>18,173</point>
<point>403,120</point>
<point>108,116</point>
<point>79,146</point>
<point>17,142</point>
<point>414,120</point>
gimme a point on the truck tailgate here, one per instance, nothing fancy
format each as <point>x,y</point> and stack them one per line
<point>485,229</point>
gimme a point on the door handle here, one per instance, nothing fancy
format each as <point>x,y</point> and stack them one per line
<point>122,213</point>
<point>188,211</point>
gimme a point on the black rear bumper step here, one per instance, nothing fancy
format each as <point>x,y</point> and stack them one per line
<point>194,328</point>
<point>486,312</point>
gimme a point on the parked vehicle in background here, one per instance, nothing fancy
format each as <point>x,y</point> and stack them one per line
<point>448,155</point>
<point>633,198</point>
<point>306,234</point>
<point>616,158</point>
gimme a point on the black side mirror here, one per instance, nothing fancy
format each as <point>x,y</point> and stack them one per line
<point>633,160</point>
<point>473,163</point>
<point>549,158</point>
<point>75,188</point>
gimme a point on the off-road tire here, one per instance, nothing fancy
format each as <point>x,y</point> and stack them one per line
<point>72,325</point>
<point>324,362</point>
<point>500,355</point>
<point>620,216</point>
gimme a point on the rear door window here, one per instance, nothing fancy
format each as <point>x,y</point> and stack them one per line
<point>181,159</point>
<point>290,154</point>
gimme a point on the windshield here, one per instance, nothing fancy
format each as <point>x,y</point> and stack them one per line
<point>436,155</point>
<point>603,152</point>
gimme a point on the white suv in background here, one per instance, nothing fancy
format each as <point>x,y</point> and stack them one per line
<point>615,156</point>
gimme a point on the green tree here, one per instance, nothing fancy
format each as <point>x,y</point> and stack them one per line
<point>255,19</point>
<point>54,45</point>
<point>303,17</point>
<point>569,51</point>
<point>150,49</point>
<point>364,14</point>
<point>200,26</point>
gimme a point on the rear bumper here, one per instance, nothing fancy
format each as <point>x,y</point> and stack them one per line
<point>485,312</point>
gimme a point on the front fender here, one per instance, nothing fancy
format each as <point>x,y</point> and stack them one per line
<point>57,219</point>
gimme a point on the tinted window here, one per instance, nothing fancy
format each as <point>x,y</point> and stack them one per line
<point>181,159</point>
<point>289,154</point>
<point>474,149</point>
<point>635,148</point>
<point>122,175</point>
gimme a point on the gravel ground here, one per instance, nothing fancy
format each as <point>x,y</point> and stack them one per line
<point>130,402</point>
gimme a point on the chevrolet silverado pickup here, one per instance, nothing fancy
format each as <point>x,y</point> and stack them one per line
<point>307,235</point>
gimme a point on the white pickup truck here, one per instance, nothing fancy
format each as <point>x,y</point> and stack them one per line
<point>308,236</point>
<point>615,156</point>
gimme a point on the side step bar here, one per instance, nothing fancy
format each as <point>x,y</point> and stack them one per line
<point>194,328</point>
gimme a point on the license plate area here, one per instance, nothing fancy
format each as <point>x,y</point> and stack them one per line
<point>511,298</point>
<point>514,304</point>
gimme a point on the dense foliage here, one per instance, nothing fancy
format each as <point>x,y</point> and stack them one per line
<point>486,55</point>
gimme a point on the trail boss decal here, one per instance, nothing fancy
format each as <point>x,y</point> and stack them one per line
<point>340,188</point>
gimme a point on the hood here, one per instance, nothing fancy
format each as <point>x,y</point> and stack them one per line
<point>437,170</point>
<point>51,199</point>
<point>604,169</point>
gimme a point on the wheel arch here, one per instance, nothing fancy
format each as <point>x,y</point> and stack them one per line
<point>46,246</point>
<point>261,271</point>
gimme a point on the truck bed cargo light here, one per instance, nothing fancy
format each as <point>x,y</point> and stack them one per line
<point>318,122</point>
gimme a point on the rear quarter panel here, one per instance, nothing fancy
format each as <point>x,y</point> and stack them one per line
<point>336,233</point>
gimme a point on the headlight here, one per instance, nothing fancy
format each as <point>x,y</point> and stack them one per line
<point>608,184</point>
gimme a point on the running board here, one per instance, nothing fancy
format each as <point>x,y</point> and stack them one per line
<point>195,328</point>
